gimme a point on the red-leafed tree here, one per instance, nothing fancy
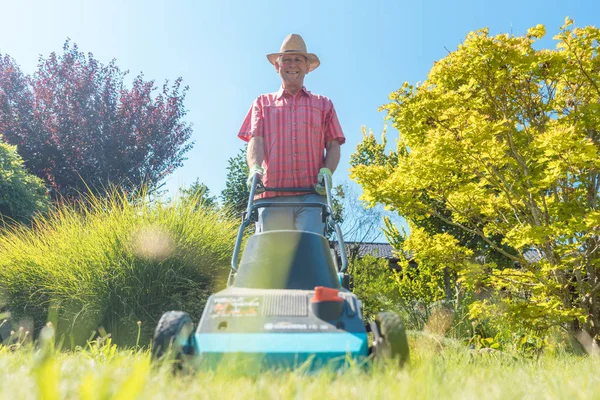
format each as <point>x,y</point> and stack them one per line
<point>77,125</point>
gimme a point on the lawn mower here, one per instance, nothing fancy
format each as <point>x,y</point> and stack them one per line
<point>287,304</point>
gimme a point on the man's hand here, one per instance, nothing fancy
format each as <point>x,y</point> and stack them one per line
<point>255,170</point>
<point>324,174</point>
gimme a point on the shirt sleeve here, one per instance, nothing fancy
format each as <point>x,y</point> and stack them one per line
<point>333,129</point>
<point>253,123</point>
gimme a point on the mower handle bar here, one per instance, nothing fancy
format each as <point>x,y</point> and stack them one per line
<point>327,210</point>
<point>275,189</point>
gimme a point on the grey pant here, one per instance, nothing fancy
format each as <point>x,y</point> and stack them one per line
<point>295,218</point>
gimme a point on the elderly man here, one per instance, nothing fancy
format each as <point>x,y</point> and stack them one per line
<point>294,140</point>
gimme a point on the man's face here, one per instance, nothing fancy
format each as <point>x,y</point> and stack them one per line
<point>292,68</point>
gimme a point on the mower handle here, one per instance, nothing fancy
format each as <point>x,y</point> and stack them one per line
<point>303,190</point>
<point>327,209</point>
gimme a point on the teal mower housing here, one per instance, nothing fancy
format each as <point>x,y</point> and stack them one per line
<point>287,304</point>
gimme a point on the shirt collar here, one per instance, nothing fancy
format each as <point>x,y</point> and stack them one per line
<point>281,91</point>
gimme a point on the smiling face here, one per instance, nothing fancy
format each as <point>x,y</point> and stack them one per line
<point>292,68</point>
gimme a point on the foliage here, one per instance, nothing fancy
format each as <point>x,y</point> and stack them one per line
<point>505,137</point>
<point>112,262</point>
<point>21,194</point>
<point>373,283</point>
<point>78,127</point>
<point>236,193</point>
<point>421,282</point>
<point>201,191</point>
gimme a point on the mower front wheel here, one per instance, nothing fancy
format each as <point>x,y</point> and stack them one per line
<point>173,339</point>
<point>389,338</point>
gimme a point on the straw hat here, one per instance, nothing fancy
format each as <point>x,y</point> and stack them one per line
<point>294,44</point>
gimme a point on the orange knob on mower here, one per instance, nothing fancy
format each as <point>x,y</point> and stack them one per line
<point>326,304</point>
<point>323,293</point>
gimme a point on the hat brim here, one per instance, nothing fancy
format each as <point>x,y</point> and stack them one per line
<point>313,60</point>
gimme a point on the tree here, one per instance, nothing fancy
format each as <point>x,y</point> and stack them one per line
<point>201,191</point>
<point>78,127</point>
<point>22,195</point>
<point>358,222</point>
<point>235,195</point>
<point>506,139</point>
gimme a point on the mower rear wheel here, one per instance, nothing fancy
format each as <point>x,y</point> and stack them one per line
<point>389,338</point>
<point>173,339</point>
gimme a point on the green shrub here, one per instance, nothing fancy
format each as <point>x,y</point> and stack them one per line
<point>113,262</point>
<point>416,293</point>
<point>21,193</point>
<point>374,285</point>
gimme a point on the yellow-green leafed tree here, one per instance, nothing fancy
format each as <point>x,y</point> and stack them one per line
<point>500,147</point>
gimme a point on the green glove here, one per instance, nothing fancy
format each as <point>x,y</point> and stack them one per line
<point>256,169</point>
<point>324,173</point>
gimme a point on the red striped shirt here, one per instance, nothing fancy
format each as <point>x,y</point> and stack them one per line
<point>295,129</point>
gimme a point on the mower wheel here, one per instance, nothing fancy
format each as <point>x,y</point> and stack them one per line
<point>390,341</point>
<point>173,338</point>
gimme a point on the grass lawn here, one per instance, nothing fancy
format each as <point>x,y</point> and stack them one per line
<point>452,372</point>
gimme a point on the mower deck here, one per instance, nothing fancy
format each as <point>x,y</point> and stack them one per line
<point>279,327</point>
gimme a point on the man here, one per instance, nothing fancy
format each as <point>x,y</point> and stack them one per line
<point>294,140</point>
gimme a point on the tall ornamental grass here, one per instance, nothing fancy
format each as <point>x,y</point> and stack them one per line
<point>113,263</point>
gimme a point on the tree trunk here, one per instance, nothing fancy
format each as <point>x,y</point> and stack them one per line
<point>447,285</point>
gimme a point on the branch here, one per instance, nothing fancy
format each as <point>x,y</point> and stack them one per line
<point>515,282</point>
<point>478,233</point>
<point>595,289</point>
<point>580,64</point>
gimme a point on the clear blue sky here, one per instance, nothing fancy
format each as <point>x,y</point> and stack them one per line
<point>367,49</point>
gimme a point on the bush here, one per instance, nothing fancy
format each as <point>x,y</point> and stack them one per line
<point>21,193</point>
<point>374,285</point>
<point>112,262</point>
